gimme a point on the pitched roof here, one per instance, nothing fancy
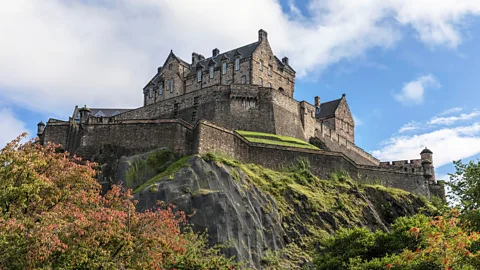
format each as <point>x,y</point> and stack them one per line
<point>287,67</point>
<point>328,108</point>
<point>246,51</point>
<point>103,112</point>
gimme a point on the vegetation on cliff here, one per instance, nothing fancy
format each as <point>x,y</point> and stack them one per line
<point>52,216</point>
<point>273,139</point>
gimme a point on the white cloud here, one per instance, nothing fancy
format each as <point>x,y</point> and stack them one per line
<point>61,53</point>
<point>410,126</point>
<point>358,122</point>
<point>450,120</point>
<point>447,144</point>
<point>412,92</point>
<point>10,126</point>
<point>450,111</point>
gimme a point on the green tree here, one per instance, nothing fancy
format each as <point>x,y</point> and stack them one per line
<point>52,216</point>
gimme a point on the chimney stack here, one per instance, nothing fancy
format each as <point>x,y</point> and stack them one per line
<point>317,101</point>
<point>215,52</point>
<point>262,35</point>
<point>285,60</point>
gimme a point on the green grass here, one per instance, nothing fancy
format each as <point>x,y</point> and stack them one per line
<point>168,173</point>
<point>273,139</point>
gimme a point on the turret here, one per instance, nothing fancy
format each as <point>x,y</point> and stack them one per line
<point>84,114</point>
<point>427,164</point>
<point>40,129</point>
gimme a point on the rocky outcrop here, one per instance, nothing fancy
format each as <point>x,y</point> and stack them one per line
<point>262,213</point>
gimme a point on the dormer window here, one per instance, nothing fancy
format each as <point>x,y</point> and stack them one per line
<point>261,65</point>
<point>237,63</point>
<point>199,75</point>
<point>160,89</point>
<point>224,68</point>
<point>211,72</point>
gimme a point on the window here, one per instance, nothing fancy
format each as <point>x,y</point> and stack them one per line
<point>211,72</point>
<point>160,89</point>
<point>169,85</point>
<point>173,86</point>
<point>270,85</point>
<point>237,63</point>
<point>150,92</point>
<point>261,65</point>
<point>269,70</point>
<point>260,82</point>
<point>224,68</point>
<point>170,67</point>
<point>175,110</point>
<point>99,114</point>
<point>244,79</point>
<point>199,75</point>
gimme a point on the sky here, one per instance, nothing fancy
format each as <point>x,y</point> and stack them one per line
<point>409,68</point>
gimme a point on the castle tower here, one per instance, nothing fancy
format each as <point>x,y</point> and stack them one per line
<point>84,114</point>
<point>40,129</point>
<point>427,164</point>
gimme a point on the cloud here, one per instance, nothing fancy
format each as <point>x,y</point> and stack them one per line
<point>410,126</point>
<point>450,111</point>
<point>450,120</point>
<point>412,92</point>
<point>10,126</point>
<point>102,53</point>
<point>358,122</point>
<point>447,144</point>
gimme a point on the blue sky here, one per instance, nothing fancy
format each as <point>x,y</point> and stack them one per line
<point>409,68</point>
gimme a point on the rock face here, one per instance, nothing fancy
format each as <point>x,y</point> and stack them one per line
<point>260,212</point>
<point>230,209</point>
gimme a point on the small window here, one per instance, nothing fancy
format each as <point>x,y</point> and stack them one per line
<point>244,79</point>
<point>261,65</point>
<point>170,67</point>
<point>160,89</point>
<point>173,86</point>
<point>237,64</point>
<point>169,85</point>
<point>224,68</point>
<point>199,75</point>
<point>413,170</point>
<point>269,70</point>
<point>270,85</point>
<point>150,92</point>
<point>211,72</point>
<point>260,81</point>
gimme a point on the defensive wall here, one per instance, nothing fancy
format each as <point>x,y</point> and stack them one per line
<point>253,108</point>
<point>137,136</point>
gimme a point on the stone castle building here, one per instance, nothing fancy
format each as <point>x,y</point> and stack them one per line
<point>197,107</point>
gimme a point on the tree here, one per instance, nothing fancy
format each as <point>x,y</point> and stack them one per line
<point>52,215</point>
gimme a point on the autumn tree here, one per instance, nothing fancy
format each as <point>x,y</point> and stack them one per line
<point>52,215</point>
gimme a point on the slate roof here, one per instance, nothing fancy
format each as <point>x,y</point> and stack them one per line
<point>328,109</point>
<point>246,51</point>
<point>104,112</point>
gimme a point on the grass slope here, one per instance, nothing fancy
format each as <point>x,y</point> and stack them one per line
<point>267,138</point>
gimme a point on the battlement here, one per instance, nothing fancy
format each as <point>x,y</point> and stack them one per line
<point>397,163</point>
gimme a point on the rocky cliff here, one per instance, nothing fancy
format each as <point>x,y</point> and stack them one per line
<point>268,219</point>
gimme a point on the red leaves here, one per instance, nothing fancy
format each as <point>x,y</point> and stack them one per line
<point>52,210</point>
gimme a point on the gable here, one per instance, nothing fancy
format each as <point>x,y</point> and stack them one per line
<point>343,111</point>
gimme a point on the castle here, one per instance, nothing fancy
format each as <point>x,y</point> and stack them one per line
<point>201,106</point>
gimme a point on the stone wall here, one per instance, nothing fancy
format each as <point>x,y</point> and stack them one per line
<point>338,143</point>
<point>323,163</point>
<point>135,136</point>
<point>56,132</point>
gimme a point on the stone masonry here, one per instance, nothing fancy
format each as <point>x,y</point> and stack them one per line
<point>247,88</point>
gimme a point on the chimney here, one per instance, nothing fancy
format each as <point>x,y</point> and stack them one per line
<point>159,70</point>
<point>317,101</point>
<point>194,58</point>
<point>285,60</point>
<point>262,35</point>
<point>215,52</point>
